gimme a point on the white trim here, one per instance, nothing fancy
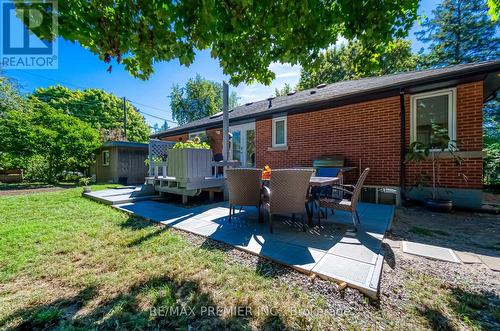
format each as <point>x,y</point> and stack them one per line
<point>106,164</point>
<point>278,119</point>
<point>242,128</point>
<point>452,111</point>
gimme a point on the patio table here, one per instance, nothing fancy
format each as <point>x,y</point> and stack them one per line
<point>315,181</point>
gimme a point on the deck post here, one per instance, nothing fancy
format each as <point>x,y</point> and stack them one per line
<point>225,130</point>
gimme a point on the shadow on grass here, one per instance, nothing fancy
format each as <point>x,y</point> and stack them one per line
<point>476,310</point>
<point>159,303</point>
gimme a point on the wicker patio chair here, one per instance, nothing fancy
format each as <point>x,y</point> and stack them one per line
<point>244,185</point>
<point>344,204</point>
<point>287,193</point>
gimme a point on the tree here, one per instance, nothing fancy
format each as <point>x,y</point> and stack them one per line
<point>102,110</point>
<point>199,98</point>
<point>353,60</point>
<point>494,9</point>
<point>163,127</point>
<point>459,31</point>
<point>284,91</point>
<point>38,133</point>
<point>246,36</point>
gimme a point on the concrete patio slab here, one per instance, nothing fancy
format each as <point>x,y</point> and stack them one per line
<point>358,252</point>
<point>121,195</point>
<point>491,262</point>
<point>467,258</point>
<point>357,274</point>
<point>429,251</point>
<point>330,250</point>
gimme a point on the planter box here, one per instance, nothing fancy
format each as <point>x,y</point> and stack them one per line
<point>189,164</point>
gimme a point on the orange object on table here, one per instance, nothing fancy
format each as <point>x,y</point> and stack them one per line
<point>266,172</point>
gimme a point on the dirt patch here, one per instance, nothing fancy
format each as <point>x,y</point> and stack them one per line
<point>17,191</point>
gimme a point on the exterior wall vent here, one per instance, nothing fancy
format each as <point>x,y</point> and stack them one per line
<point>321,85</point>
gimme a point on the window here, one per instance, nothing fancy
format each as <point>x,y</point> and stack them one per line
<point>105,158</point>
<point>201,134</point>
<point>433,109</point>
<point>279,132</point>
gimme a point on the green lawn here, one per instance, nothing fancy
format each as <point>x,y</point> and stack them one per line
<point>70,263</point>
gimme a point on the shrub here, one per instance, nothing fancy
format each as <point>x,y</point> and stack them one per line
<point>37,170</point>
<point>195,143</point>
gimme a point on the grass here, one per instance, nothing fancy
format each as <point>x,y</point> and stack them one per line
<point>70,263</point>
<point>444,307</point>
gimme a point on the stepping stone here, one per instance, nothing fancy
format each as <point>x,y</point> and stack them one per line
<point>491,262</point>
<point>467,258</point>
<point>429,251</point>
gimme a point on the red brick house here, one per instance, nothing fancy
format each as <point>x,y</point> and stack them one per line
<point>369,121</point>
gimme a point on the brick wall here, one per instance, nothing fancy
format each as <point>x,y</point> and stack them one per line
<point>176,138</point>
<point>215,138</point>
<point>214,135</point>
<point>469,139</point>
<point>367,134</point>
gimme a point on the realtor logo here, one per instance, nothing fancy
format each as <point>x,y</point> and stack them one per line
<point>19,47</point>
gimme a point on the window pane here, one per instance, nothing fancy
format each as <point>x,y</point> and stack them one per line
<point>236,145</point>
<point>280,132</point>
<point>431,110</point>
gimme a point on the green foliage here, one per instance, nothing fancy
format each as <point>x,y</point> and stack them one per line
<point>157,128</point>
<point>439,142</point>
<point>491,138</point>
<point>492,163</point>
<point>199,98</point>
<point>102,110</point>
<point>43,140</point>
<point>84,181</point>
<point>246,36</point>
<point>284,91</point>
<point>195,143</point>
<point>494,9</point>
<point>36,169</point>
<point>459,31</point>
<point>353,60</point>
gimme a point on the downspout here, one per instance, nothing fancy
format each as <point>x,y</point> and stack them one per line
<point>403,144</point>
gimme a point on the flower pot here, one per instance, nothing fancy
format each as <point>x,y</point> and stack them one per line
<point>439,205</point>
<point>87,189</point>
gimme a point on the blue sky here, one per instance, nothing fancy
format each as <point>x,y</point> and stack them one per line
<point>78,68</point>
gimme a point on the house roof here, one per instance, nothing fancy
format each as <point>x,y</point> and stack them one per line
<point>124,144</point>
<point>351,91</point>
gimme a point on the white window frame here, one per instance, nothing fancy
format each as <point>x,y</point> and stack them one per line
<point>279,119</point>
<point>452,111</point>
<point>105,164</point>
<point>192,135</point>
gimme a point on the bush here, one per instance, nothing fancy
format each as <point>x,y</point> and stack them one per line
<point>195,143</point>
<point>492,164</point>
<point>36,169</point>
